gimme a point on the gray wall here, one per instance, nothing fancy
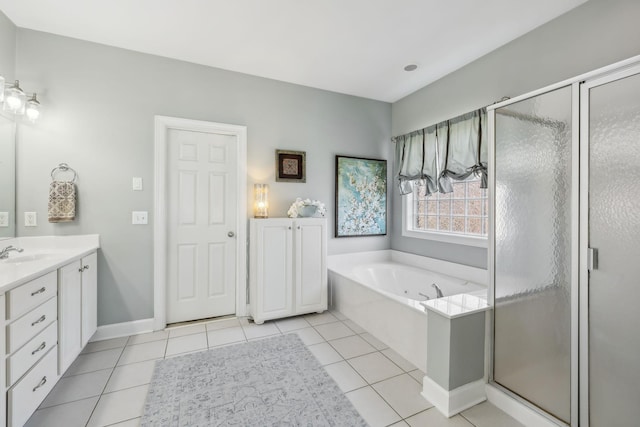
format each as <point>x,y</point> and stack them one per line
<point>598,33</point>
<point>100,103</point>
<point>7,48</point>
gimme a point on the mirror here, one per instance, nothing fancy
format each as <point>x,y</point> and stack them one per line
<point>7,177</point>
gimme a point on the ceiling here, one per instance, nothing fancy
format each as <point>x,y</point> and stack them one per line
<point>357,47</point>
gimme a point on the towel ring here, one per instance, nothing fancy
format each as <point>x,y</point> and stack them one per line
<point>63,167</point>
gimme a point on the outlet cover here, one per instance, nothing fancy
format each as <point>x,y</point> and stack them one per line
<point>30,219</point>
<point>139,217</point>
<point>4,219</point>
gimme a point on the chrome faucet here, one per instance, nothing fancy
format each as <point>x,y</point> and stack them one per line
<point>4,254</point>
<point>438,291</point>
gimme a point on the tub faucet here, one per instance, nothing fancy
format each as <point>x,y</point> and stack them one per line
<point>4,254</point>
<point>438,291</point>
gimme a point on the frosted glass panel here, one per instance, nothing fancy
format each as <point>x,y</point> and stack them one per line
<point>533,250</point>
<point>614,229</point>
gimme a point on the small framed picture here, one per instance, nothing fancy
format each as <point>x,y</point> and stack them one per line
<point>291,166</point>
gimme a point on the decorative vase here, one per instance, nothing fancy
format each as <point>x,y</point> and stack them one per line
<point>307,211</point>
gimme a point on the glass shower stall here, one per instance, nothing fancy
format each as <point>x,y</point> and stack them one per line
<point>564,255</point>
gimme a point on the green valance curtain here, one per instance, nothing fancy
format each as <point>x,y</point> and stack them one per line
<point>449,151</point>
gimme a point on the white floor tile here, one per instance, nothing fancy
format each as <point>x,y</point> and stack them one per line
<point>374,367</point>
<point>222,324</point>
<point>135,422</point>
<point>181,331</point>
<point>225,336</point>
<point>92,347</point>
<point>354,326</point>
<point>319,319</point>
<point>148,337</point>
<point>291,324</point>
<point>131,375</point>
<point>345,376</point>
<point>399,424</point>
<point>119,406</point>
<point>94,362</point>
<point>404,364</point>
<point>309,336</point>
<point>433,418</point>
<point>77,387</point>
<point>334,330</point>
<point>352,346</point>
<point>258,331</point>
<point>418,375</point>
<point>403,394</point>
<point>325,353</point>
<point>187,343</point>
<point>487,415</point>
<point>141,352</point>
<point>379,345</point>
<point>372,408</point>
<point>75,414</point>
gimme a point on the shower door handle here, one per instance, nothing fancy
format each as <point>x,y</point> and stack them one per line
<point>592,259</point>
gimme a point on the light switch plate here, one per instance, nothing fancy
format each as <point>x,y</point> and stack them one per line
<point>30,219</point>
<point>137,183</point>
<point>139,217</point>
<point>4,219</point>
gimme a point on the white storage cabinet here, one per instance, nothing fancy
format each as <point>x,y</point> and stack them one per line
<point>288,267</point>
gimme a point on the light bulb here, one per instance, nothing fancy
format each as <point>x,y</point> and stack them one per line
<point>33,109</point>
<point>15,99</point>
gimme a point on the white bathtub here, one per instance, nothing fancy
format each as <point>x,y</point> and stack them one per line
<point>382,290</point>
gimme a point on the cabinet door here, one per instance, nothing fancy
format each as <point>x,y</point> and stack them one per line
<point>89,297</point>
<point>273,252</point>
<point>310,265</point>
<point>69,314</point>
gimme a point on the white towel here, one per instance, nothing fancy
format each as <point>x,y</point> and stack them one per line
<point>62,201</point>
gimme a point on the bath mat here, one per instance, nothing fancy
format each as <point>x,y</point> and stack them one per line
<point>270,382</point>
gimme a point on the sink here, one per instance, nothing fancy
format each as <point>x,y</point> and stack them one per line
<point>18,259</point>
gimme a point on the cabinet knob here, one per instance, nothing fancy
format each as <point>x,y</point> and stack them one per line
<point>289,228</point>
<point>298,227</point>
<point>86,267</point>
<point>231,234</point>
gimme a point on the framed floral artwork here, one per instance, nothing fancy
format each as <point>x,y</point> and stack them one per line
<point>361,197</point>
<point>291,166</point>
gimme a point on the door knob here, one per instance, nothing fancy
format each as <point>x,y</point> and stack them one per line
<point>231,234</point>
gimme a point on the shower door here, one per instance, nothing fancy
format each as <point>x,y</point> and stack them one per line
<point>610,329</point>
<point>535,202</point>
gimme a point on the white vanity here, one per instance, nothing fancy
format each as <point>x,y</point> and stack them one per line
<point>48,311</point>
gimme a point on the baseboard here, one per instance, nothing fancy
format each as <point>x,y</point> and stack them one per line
<point>522,413</point>
<point>452,402</point>
<point>117,330</point>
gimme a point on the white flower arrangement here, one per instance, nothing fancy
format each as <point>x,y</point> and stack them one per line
<point>298,206</point>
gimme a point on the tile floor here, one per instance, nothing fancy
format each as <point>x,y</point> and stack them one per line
<point>107,384</point>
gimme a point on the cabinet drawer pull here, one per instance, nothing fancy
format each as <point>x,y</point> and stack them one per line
<point>43,381</point>
<point>42,346</point>
<point>40,320</point>
<point>39,291</point>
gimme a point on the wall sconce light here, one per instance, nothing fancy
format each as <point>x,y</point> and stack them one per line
<point>14,101</point>
<point>261,204</point>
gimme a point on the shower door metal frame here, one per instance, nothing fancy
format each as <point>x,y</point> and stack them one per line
<point>575,177</point>
<point>619,73</point>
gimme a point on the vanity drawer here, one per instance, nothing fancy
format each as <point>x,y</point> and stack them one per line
<point>31,294</point>
<point>22,360</point>
<point>31,324</point>
<point>25,397</point>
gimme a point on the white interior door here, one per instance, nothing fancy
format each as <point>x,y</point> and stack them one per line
<point>202,222</point>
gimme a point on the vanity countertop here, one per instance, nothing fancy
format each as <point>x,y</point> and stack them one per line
<point>41,255</point>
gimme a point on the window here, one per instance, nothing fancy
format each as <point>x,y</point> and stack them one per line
<point>457,217</point>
